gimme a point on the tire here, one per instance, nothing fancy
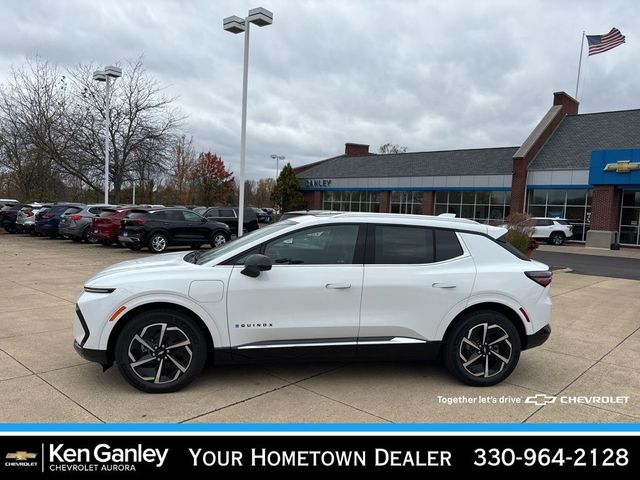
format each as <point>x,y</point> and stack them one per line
<point>135,248</point>
<point>158,243</point>
<point>88,237</point>
<point>218,239</point>
<point>464,344</point>
<point>556,238</point>
<point>162,375</point>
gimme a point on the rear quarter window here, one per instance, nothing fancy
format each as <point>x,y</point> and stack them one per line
<point>447,245</point>
<point>502,241</point>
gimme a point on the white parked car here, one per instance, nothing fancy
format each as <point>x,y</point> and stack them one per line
<point>341,286</point>
<point>552,230</point>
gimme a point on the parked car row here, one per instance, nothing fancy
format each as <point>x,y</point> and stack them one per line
<point>155,227</point>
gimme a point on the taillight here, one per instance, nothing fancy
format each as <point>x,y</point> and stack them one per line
<point>48,215</point>
<point>541,278</point>
<point>75,218</point>
<point>28,213</point>
<point>137,221</point>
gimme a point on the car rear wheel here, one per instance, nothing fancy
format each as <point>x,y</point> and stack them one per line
<point>88,237</point>
<point>556,238</point>
<point>218,239</point>
<point>160,351</point>
<point>158,243</point>
<point>483,349</point>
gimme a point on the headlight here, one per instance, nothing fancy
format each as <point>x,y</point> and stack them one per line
<point>98,290</point>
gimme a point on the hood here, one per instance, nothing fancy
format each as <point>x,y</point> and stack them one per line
<point>151,262</point>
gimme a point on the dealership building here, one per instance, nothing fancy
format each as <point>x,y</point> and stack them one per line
<point>582,167</point>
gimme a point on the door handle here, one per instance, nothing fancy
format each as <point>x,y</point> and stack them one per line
<point>443,285</point>
<point>338,285</point>
<point>165,223</point>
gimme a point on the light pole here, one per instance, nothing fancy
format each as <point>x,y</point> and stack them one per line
<point>109,72</point>
<point>277,158</point>
<point>260,17</point>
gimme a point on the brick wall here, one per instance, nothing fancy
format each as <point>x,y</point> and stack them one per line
<point>605,208</point>
<point>428,201</point>
<point>385,199</point>
<point>313,199</point>
<point>569,106</point>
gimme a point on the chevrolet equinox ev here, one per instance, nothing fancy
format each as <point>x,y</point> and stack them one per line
<point>339,286</point>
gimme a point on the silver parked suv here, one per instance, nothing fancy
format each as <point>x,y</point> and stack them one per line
<point>76,223</point>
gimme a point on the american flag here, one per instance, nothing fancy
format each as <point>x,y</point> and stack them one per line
<point>602,43</point>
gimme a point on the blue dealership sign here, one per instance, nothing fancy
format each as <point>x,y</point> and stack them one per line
<point>615,167</point>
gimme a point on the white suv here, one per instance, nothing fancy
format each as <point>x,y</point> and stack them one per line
<point>340,286</point>
<point>553,230</point>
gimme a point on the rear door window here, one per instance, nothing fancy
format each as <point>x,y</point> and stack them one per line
<point>227,213</point>
<point>403,245</point>
<point>174,215</point>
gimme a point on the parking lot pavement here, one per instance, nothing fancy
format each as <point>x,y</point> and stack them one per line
<point>593,351</point>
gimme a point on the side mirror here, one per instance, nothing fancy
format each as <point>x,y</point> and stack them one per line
<point>254,264</point>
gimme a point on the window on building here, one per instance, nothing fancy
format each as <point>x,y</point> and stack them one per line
<point>406,202</point>
<point>351,201</point>
<point>572,204</point>
<point>485,206</point>
<point>630,217</point>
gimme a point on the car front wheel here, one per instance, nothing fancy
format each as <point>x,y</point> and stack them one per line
<point>158,243</point>
<point>483,349</point>
<point>160,351</point>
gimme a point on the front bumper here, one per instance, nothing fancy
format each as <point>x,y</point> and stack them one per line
<point>98,356</point>
<point>538,338</point>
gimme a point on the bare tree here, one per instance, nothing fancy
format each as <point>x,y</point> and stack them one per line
<point>52,125</point>
<point>391,148</point>
<point>143,123</point>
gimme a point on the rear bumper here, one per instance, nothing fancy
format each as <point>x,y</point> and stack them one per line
<point>98,356</point>
<point>538,338</point>
<point>130,240</point>
<point>70,231</point>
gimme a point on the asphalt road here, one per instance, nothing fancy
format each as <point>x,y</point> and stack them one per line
<point>602,266</point>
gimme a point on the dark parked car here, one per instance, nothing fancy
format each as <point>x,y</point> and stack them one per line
<point>47,223</point>
<point>77,225</point>
<point>8,215</point>
<point>105,228</point>
<point>263,217</point>
<point>160,228</point>
<point>229,216</point>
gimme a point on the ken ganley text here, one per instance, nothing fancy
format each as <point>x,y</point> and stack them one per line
<point>262,457</point>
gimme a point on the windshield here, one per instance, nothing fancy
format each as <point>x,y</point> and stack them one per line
<point>241,242</point>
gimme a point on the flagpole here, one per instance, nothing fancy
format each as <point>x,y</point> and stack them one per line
<point>579,65</point>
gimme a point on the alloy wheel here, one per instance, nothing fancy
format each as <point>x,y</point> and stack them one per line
<point>158,243</point>
<point>160,353</point>
<point>485,350</point>
<point>218,240</point>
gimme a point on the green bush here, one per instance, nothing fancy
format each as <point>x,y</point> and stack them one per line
<point>519,240</point>
<point>520,228</point>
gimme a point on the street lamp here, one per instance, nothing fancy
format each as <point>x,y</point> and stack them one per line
<point>277,158</point>
<point>260,17</point>
<point>109,72</point>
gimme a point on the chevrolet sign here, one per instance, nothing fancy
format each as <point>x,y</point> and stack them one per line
<point>622,166</point>
<point>317,183</point>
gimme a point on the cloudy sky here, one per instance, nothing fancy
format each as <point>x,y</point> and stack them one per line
<point>429,75</point>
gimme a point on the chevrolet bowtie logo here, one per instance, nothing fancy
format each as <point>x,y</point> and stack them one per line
<point>540,399</point>
<point>22,456</point>
<point>622,166</point>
